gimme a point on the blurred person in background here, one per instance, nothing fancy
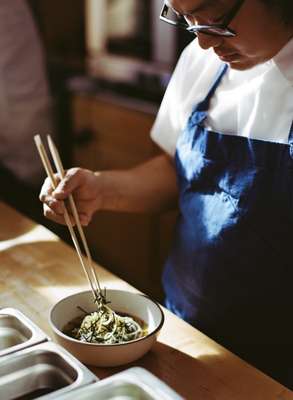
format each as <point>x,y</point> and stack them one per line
<point>25,107</point>
<point>226,126</point>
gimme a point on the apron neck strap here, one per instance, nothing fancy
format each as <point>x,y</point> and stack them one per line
<point>204,104</point>
<point>217,81</point>
<point>290,140</point>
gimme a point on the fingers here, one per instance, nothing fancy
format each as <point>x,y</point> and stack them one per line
<point>50,214</point>
<point>47,198</point>
<point>73,179</point>
<point>60,219</point>
<point>54,210</point>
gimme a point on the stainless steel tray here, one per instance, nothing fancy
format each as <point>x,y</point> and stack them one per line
<point>41,371</point>
<point>132,384</point>
<point>17,331</point>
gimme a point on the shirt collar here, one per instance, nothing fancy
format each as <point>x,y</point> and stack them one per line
<point>284,60</point>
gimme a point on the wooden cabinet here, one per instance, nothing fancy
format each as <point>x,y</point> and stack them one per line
<point>111,135</point>
<point>115,136</point>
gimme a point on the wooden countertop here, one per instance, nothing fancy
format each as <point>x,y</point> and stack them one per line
<point>37,269</point>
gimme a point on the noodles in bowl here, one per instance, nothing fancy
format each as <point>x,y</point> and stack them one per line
<point>118,334</point>
<point>105,326</point>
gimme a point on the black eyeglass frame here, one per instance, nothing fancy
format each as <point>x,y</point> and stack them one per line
<point>214,30</point>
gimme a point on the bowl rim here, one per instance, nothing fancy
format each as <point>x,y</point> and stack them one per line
<point>60,333</point>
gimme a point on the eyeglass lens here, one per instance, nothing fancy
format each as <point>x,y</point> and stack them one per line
<point>171,15</point>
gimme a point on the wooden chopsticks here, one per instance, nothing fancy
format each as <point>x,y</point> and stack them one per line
<point>87,267</point>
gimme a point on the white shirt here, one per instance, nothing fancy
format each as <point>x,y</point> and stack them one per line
<point>24,98</point>
<point>256,103</point>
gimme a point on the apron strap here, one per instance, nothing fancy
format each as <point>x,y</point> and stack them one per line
<point>204,104</point>
<point>290,140</point>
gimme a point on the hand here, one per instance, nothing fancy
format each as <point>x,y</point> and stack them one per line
<point>148,187</point>
<point>83,184</point>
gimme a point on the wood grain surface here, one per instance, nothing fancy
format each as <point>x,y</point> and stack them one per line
<point>37,269</point>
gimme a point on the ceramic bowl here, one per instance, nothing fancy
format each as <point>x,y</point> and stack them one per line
<point>107,355</point>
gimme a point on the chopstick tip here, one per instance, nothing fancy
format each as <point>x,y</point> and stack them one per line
<point>50,141</point>
<point>37,139</point>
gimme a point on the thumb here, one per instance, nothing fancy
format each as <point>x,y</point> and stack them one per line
<point>72,181</point>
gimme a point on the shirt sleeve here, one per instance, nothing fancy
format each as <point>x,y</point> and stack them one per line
<point>168,125</point>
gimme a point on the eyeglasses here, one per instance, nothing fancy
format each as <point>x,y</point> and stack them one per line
<point>172,17</point>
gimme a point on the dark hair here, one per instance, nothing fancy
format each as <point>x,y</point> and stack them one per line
<point>284,8</point>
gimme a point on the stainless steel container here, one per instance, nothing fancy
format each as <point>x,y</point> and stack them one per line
<point>17,332</point>
<point>44,370</point>
<point>132,384</point>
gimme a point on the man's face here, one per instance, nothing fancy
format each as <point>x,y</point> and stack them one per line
<point>260,33</point>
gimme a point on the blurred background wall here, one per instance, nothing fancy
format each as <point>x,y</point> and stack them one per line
<point>108,65</point>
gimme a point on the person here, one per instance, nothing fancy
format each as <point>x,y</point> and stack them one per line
<point>25,107</point>
<point>225,125</point>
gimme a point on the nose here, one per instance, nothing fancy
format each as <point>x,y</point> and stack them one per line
<point>206,41</point>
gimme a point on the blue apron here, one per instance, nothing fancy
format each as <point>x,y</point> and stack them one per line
<point>229,272</point>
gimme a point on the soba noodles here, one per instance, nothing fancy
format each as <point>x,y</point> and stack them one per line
<point>105,326</point>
